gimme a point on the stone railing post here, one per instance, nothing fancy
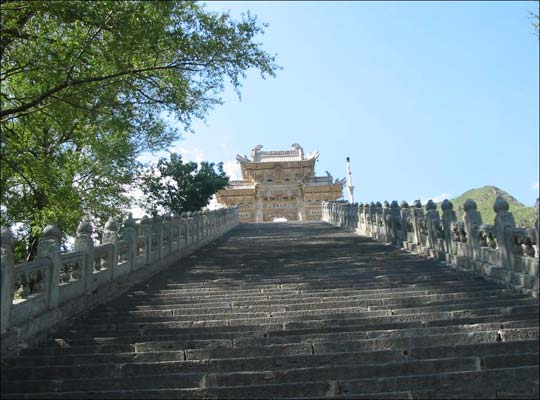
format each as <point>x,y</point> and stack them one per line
<point>433,221</point>
<point>472,220</point>
<point>418,218</point>
<point>387,221</point>
<point>189,225</point>
<point>146,231</point>
<point>157,228</point>
<point>130,236</point>
<point>504,222</point>
<point>395,218</point>
<point>49,247</point>
<point>405,213</point>
<point>354,216</point>
<point>85,243</point>
<point>448,217</point>
<point>7,265</point>
<point>110,235</point>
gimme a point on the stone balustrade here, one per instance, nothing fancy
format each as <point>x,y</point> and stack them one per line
<point>37,295</point>
<point>500,251</point>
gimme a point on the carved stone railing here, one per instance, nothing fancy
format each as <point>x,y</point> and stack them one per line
<point>39,294</point>
<point>500,251</point>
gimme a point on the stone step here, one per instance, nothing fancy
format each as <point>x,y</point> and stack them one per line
<point>378,332</point>
<point>91,337</point>
<point>179,314</point>
<point>495,383</point>
<point>176,375</point>
<point>352,282</point>
<point>300,295</point>
<point>311,303</point>
<point>157,362</point>
<point>293,328</point>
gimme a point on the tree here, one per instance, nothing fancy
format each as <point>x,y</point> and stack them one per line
<point>175,186</point>
<point>84,87</point>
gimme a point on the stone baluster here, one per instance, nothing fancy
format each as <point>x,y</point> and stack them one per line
<point>354,216</point>
<point>405,213</point>
<point>504,223</point>
<point>378,221</point>
<point>168,230</point>
<point>448,217</point>
<point>85,243</point>
<point>189,225</point>
<point>146,231</point>
<point>157,228</point>
<point>433,221</point>
<point>387,222</point>
<point>130,236</point>
<point>418,218</point>
<point>49,247</point>
<point>110,235</point>
<point>7,265</point>
<point>395,218</point>
<point>472,220</point>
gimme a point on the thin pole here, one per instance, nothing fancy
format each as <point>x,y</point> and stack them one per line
<point>349,181</point>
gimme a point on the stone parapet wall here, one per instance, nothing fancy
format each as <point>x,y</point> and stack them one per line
<point>57,286</point>
<point>500,251</point>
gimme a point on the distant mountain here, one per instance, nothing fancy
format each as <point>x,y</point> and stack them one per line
<point>485,197</point>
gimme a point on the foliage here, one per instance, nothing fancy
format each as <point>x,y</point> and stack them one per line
<point>84,85</point>
<point>485,198</point>
<point>175,186</point>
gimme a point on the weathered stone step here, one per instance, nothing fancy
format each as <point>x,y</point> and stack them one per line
<point>277,306</point>
<point>379,332</point>
<point>142,296</point>
<point>178,314</point>
<point>392,343</point>
<point>310,303</point>
<point>298,295</point>
<point>256,325</point>
<point>86,336</point>
<point>352,282</point>
<point>494,383</point>
<point>163,360</point>
<point>119,376</point>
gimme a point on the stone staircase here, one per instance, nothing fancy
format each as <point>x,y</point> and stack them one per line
<point>293,310</point>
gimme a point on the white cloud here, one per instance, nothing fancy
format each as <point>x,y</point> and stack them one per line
<point>437,198</point>
<point>232,168</point>
<point>535,186</point>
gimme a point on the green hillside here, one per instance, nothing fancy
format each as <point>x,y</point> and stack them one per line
<point>485,197</point>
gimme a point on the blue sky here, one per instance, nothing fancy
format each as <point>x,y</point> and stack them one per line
<point>428,99</point>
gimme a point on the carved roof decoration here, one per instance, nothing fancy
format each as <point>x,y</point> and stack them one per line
<point>259,156</point>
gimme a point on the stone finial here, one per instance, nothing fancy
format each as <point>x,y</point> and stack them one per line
<point>85,228</point>
<point>6,237</point>
<point>386,204</point>
<point>130,222</point>
<point>394,204</point>
<point>430,205</point>
<point>500,204</point>
<point>469,205</point>
<point>417,204</point>
<point>447,205</point>
<point>404,204</point>
<point>52,232</point>
<point>372,204</point>
<point>360,204</point>
<point>188,214</point>
<point>146,220</point>
<point>378,204</point>
<point>111,225</point>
